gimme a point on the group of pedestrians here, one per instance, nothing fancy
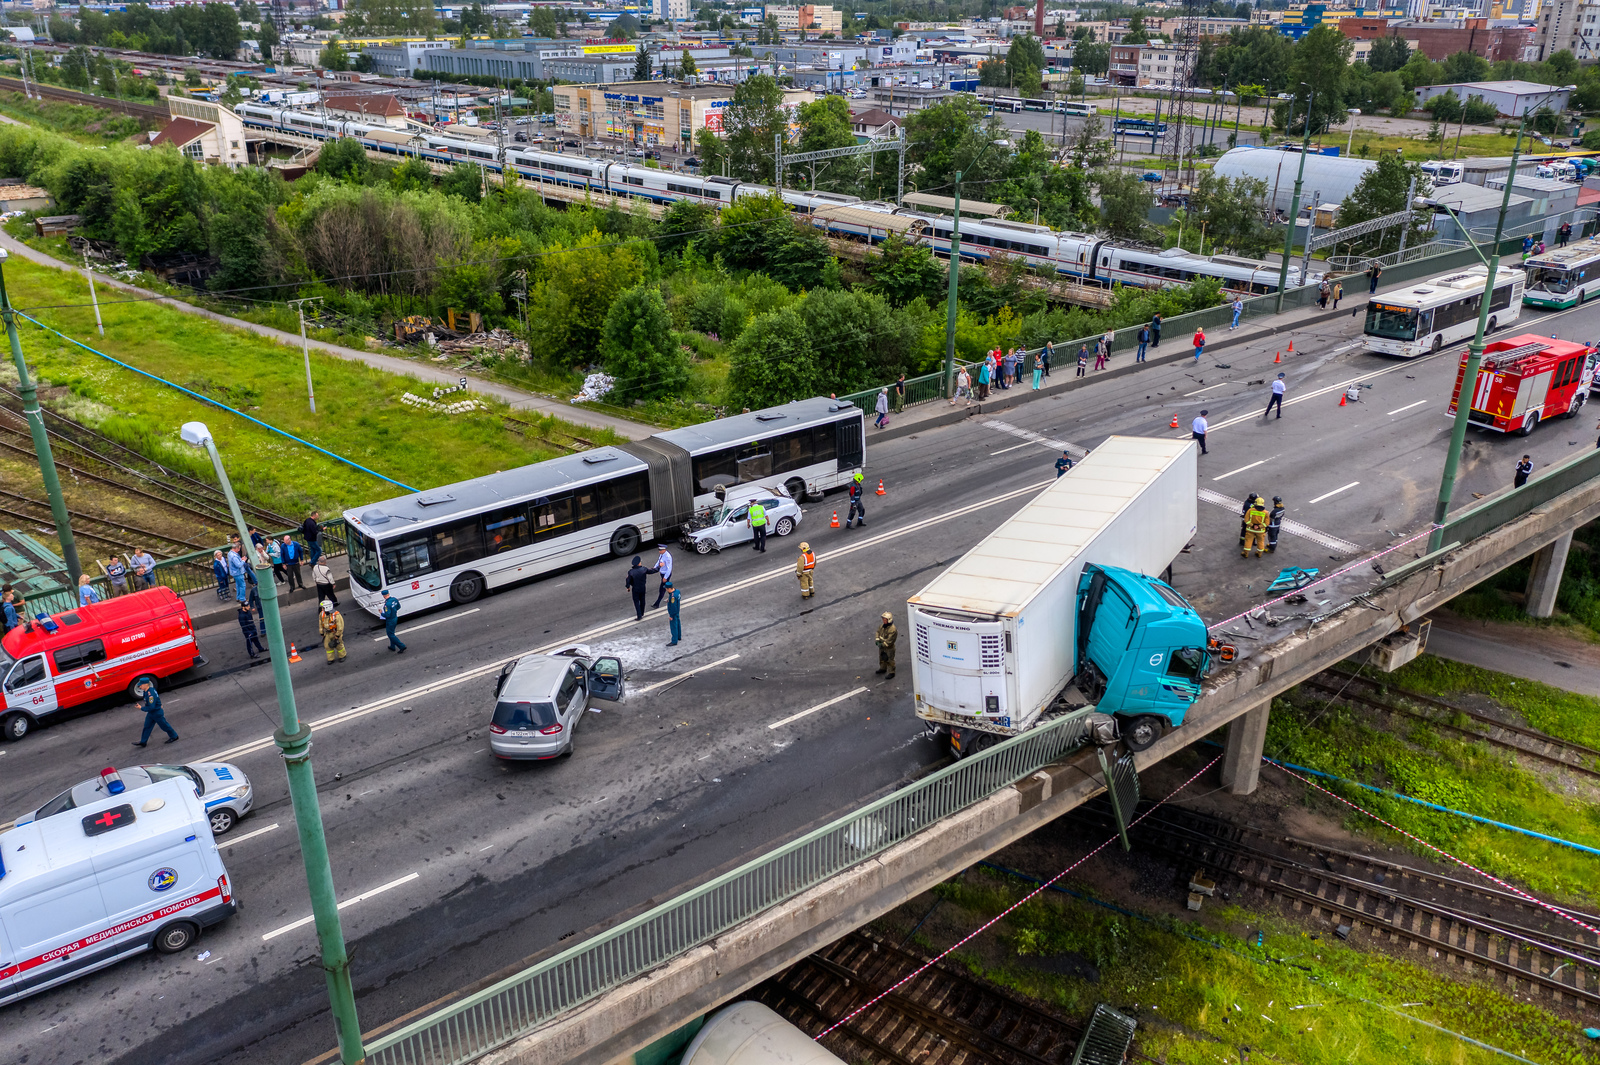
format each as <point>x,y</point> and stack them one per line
<point>1330,290</point>
<point>140,567</point>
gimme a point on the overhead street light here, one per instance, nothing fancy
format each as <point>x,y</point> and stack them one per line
<point>1469,374</point>
<point>294,741</point>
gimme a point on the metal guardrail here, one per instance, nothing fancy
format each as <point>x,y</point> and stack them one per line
<point>1177,330</point>
<point>184,574</point>
<point>517,1005</point>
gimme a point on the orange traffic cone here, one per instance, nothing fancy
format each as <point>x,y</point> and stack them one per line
<point>1278,359</point>
<point>1291,347</point>
<point>294,656</point>
<point>834,524</point>
<point>1174,424</point>
<point>1341,399</point>
<point>881,492</point>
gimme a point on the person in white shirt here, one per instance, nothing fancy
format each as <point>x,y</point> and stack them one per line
<point>1198,430</point>
<point>663,566</point>
<point>1277,398</point>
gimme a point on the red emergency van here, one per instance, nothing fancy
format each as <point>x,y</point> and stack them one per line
<point>87,654</point>
<point>1527,379</point>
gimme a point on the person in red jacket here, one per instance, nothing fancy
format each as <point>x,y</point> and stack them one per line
<point>1199,343</point>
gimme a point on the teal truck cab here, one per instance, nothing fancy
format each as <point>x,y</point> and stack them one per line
<point>1141,651</point>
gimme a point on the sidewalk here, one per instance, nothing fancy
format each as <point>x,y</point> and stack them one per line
<point>519,399</point>
<point>936,413</point>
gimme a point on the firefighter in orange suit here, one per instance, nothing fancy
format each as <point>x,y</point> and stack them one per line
<point>802,569</point>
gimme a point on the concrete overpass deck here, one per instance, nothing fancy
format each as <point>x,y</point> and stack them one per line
<point>697,771</point>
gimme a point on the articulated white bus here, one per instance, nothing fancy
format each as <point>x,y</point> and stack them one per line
<point>451,544</point>
<point>1426,317</point>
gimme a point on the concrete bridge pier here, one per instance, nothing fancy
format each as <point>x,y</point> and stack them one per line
<point>1545,581</point>
<point>1241,756</point>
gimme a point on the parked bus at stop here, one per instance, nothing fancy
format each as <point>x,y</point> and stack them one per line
<point>1427,316</point>
<point>1563,277</point>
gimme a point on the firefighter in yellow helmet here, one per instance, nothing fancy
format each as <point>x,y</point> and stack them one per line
<point>802,569</point>
<point>1255,528</point>
<point>330,623</point>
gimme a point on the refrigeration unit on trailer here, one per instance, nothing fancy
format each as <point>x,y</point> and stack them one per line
<point>1066,590</point>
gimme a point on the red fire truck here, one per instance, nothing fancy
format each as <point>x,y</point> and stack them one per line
<point>1527,379</point>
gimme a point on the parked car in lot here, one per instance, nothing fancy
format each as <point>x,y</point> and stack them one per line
<point>727,524</point>
<point>222,787</point>
<point>540,699</point>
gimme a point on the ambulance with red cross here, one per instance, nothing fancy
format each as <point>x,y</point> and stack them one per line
<point>133,871</point>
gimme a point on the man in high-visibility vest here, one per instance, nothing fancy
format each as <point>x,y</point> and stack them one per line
<point>1255,528</point>
<point>758,525</point>
<point>802,569</point>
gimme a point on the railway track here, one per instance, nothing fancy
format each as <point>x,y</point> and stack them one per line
<point>1514,738</point>
<point>38,510</point>
<point>1474,928</point>
<point>105,103</point>
<point>943,1017</point>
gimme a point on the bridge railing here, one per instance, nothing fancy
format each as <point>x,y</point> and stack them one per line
<point>518,1004</point>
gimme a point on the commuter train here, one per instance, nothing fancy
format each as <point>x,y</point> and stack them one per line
<point>1077,255</point>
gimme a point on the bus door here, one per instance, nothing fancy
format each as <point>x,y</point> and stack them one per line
<point>850,447</point>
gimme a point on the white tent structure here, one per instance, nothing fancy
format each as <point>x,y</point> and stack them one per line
<point>1328,178</point>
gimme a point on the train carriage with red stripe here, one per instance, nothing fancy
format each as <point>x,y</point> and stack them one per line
<point>1527,379</point>
<point>88,887</point>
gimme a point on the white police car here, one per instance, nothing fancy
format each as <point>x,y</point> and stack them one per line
<point>223,789</point>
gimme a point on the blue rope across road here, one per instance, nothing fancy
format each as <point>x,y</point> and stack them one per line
<point>214,403</point>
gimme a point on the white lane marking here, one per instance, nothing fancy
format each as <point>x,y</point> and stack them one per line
<point>1241,469</point>
<point>1293,528</point>
<point>681,676</point>
<point>1208,388</point>
<point>428,624</point>
<point>1408,406</point>
<point>1314,393</point>
<point>1035,438</point>
<point>363,897</point>
<point>1018,447</point>
<point>1330,495</point>
<point>230,841</point>
<point>782,571</point>
<point>814,709</point>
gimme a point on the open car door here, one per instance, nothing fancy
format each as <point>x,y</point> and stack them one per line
<point>605,679</point>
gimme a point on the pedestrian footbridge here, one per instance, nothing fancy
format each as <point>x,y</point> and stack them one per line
<point>636,982</point>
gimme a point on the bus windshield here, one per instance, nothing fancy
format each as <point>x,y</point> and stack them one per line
<point>1549,279</point>
<point>363,559</point>
<point>1394,323</point>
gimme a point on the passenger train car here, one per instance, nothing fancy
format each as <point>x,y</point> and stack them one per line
<point>1092,259</point>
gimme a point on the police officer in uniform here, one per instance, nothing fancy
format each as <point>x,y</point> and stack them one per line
<point>886,635</point>
<point>858,507</point>
<point>635,583</point>
<point>1274,523</point>
<point>1255,528</point>
<point>150,703</point>
<point>674,601</point>
<point>1064,463</point>
<point>802,569</point>
<point>758,525</point>
<point>330,623</point>
<point>391,612</point>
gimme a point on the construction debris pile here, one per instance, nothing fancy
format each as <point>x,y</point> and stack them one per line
<point>595,386</point>
<point>420,329</point>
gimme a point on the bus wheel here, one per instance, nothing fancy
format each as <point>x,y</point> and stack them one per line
<point>467,587</point>
<point>624,540</point>
<point>1529,424</point>
<point>1438,342</point>
<point>1493,324</point>
<point>796,489</point>
<point>176,937</point>
<point>15,726</point>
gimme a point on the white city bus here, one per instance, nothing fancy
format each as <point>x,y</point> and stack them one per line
<point>1427,316</point>
<point>451,544</point>
<point>1563,277</point>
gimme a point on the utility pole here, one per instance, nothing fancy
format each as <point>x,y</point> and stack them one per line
<point>92,297</point>
<point>305,347</point>
<point>950,304</point>
<point>41,438</point>
<point>1294,209</point>
<point>1469,373</point>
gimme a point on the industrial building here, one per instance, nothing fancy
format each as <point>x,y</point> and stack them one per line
<point>1512,98</point>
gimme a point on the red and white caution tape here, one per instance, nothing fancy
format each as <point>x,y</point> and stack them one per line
<point>975,933</point>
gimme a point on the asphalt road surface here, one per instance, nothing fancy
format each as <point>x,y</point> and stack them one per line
<point>469,864</point>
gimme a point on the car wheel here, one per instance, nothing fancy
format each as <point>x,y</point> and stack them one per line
<point>796,489</point>
<point>1577,404</point>
<point>623,541</point>
<point>143,678</point>
<point>467,587</point>
<point>784,527</point>
<point>222,819</point>
<point>1141,732</point>
<point>176,937</point>
<point>1529,424</point>
<point>15,726</point>
<point>702,546</point>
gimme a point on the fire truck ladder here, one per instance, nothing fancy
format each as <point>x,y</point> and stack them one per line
<point>1508,359</point>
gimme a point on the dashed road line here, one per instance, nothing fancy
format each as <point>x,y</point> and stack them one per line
<point>1293,528</point>
<point>428,624</point>
<point>685,675</point>
<point>363,897</point>
<point>820,706</point>
<point>1409,406</point>
<point>1241,469</point>
<point>231,840</point>
<point>1036,438</point>
<point>1330,495</point>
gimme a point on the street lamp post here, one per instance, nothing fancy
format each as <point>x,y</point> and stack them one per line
<point>950,303</point>
<point>1350,140</point>
<point>294,741</point>
<point>41,438</point>
<point>1469,375</point>
<point>1294,205</point>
